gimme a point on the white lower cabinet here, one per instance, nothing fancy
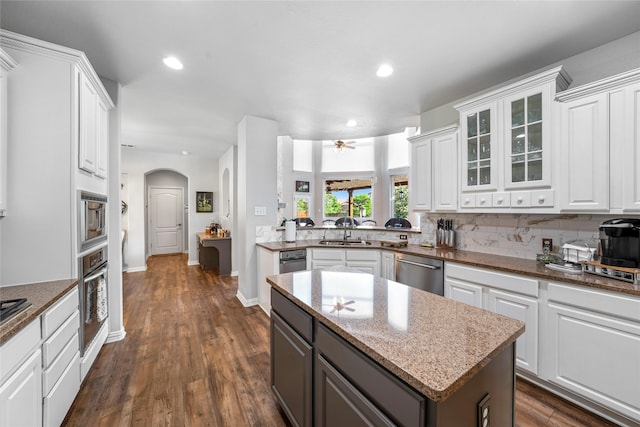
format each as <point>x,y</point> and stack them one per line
<point>367,260</point>
<point>388,265</point>
<point>21,395</point>
<point>507,294</point>
<point>593,338</point>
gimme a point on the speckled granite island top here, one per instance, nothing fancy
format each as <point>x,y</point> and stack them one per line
<point>496,262</point>
<point>434,344</point>
<point>41,296</point>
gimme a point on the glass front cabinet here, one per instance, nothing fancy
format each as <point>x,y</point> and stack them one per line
<point>508,143</point>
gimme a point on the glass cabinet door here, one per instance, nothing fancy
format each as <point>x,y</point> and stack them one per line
<point>478,167</point>
<point>526,139</point>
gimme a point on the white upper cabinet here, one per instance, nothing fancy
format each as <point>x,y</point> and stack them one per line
<point>88,117</point>
<point>480,152</point>
<point>508,138</point>
<point>102,140</point>
<point>631,150</point>
<point>599,154</point>
<point>6,65</point>
<point>434,170</point>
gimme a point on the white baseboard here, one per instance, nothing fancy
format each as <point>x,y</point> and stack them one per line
<point>193,262</point>
<point>136,269</point>
<point>234,273</point>
<point>116,336</point>
<point>246,302</point>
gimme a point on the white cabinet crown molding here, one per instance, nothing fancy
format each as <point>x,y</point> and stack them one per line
<point>6,61</point>
<point>603,85</point>
<point>51,50</point>
<point>434,133</point>
<point>562,78</point>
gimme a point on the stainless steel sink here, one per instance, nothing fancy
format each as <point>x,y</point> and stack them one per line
<point>342,242</point>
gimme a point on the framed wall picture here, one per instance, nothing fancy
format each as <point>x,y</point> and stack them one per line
<point>302,186</point>
<point>204,201</point>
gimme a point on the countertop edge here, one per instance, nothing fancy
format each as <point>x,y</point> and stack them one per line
<point>58,288</point>
<point>500,263</point>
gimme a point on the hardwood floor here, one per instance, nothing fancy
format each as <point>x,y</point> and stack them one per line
<point>193,356</point>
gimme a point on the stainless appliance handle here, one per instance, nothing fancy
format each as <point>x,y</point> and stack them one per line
<point>623,225</point>
<point>430,267</point>
<point>96,275</point>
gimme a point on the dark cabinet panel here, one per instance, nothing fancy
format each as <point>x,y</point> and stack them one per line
<point>339,403</point>
<point>402,404</point>
<point>291,371</point>
<point>300,321</point>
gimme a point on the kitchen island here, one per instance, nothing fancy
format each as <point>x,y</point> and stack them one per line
<point>350,348</point>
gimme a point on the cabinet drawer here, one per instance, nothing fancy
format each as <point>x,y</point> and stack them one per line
<point>468,201</point>
<point>542,198</point>
<point>501,200</point>
<point>483,200</point>
<point>51,374</point>
<point>508,282</point>
<point>57,342</point>
<point>18,348</point>
<point>328,254</point>
<point>616,304</point>
<point>362,255</point>
<point>58,402</point>
<point>56,315</point>
<point>402,404</point>
<point>520,199</point>
<point>293,315</point>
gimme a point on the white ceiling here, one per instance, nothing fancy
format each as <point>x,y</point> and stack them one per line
<point>310,66</point>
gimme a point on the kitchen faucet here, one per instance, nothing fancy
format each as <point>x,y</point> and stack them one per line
<point>345,234</point>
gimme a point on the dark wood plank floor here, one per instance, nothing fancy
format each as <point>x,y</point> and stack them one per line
<point>193,356</point>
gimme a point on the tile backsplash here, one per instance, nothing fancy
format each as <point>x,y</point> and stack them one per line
<point>517,235</point>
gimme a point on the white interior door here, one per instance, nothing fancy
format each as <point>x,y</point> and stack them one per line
<point>165,220</point>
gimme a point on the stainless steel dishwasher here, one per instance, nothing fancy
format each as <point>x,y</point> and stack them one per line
<point>293,260</point>
<point>420,272</point>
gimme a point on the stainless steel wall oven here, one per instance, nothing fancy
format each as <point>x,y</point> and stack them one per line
<point>93,289</point>
<point>92,220</point>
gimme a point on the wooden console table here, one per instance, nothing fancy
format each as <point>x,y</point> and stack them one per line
<point>214,252</point>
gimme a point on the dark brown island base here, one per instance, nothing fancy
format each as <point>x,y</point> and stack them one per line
<point>351,349</point>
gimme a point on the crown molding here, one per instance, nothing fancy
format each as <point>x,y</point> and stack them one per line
<point>434,133</point>
<point>557,74</point>
<point>50,50</point>
<point>7,62</point>
<point>599,86</point>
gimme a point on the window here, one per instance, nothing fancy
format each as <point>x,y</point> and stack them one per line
<point>348,197</point>
<point>400,196</point>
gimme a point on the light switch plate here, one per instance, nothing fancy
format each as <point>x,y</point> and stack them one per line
<point>260,210</point>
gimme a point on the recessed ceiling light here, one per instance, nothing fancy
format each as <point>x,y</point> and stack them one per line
<point>185,153</point>
<point>352,123</point>
<point>385,70</point>
<point>173,62</point>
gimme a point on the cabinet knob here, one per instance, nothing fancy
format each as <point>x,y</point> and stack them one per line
<point>519,199</point>
<point>500,200</point>
<point>541,199</point>
<point>482,201</point>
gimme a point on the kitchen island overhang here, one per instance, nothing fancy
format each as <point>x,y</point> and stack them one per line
<point>444,350</point>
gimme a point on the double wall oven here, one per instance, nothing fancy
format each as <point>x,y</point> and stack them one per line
<point>94,268</point>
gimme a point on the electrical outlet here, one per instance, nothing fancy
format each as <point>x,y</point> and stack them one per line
<point>484,414</point>
<point>403,237</point>
<point>546,241</point>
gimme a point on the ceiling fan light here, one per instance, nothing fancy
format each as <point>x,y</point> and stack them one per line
<point>385,70</point>
<point>173,63</point>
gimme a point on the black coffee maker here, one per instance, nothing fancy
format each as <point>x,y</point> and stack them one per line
<point>620,242</point>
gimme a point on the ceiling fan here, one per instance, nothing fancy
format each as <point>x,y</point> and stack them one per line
<point>341,145</point>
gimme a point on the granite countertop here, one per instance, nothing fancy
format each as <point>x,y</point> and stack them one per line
<point>506,264</point>
<point>432,343</point>
<point>41,296</point>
